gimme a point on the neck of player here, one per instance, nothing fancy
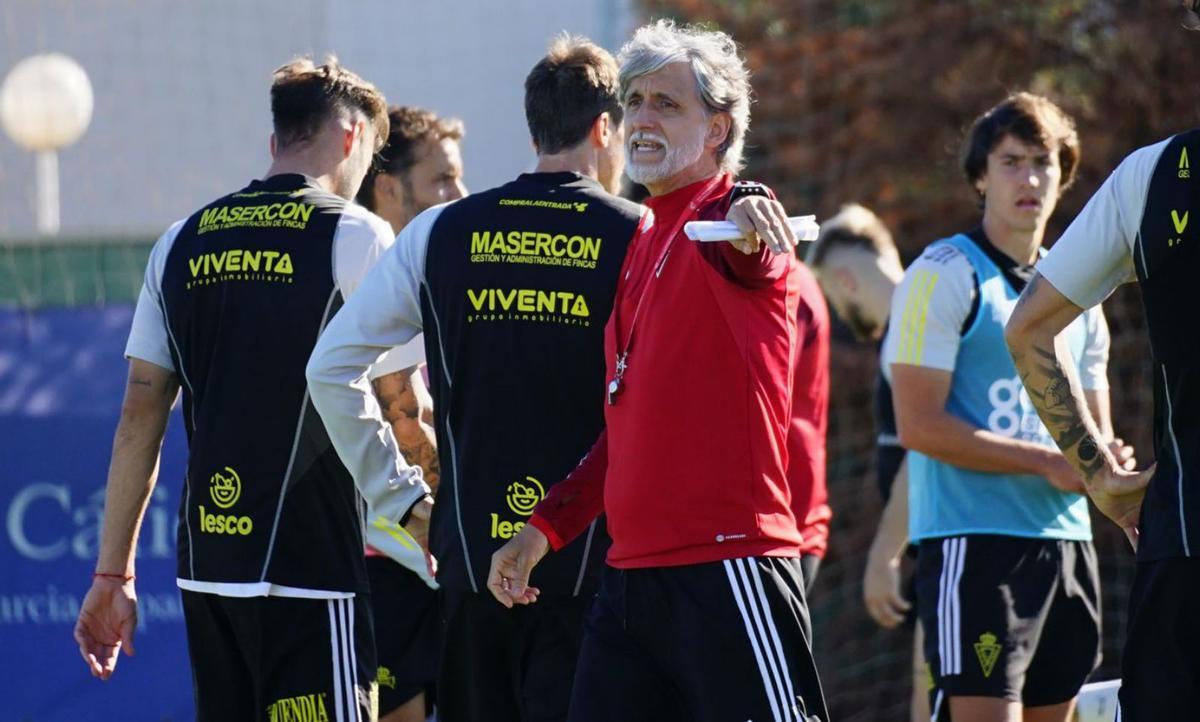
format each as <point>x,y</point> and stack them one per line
<point>304,164</point>
<point>1019,244</point>
<point>580,159</point>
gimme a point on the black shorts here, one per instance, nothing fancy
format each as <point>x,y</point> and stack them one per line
<point>407,633</point>
<point>507,665</point>
<point>1160,668</point>
<point>1008,617</point>
<point>273,658</point>
<point>723,641</point>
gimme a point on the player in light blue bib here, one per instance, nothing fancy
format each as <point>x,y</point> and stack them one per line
<point>1007,584</point>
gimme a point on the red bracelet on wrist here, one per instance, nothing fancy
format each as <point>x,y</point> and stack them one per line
<point>122,577</point>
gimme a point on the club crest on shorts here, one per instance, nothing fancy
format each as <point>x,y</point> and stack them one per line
<point>988,651</point>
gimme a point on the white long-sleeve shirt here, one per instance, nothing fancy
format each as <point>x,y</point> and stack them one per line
<point>355,339</point>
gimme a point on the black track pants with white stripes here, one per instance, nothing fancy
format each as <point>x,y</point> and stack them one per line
<point>725,641</point>
<point>261,659</point>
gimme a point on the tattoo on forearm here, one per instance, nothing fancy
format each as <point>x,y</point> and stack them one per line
<point>1087,449</point>
<point>1060,410</point>
<point>400,406</point>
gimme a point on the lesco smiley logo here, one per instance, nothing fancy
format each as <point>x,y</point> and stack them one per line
<point>225,490</point>
<point>522,497</point>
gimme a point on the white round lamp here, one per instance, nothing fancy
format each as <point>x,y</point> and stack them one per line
<point>46,104</point>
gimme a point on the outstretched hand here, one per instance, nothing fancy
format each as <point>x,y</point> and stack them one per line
<point>761,220</point>
<point>508,579</point>
<point>107,621</point>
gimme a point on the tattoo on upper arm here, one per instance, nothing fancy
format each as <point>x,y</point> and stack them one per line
<point>168,387</point>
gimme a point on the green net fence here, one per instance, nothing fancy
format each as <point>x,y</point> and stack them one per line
<point>71,272</point>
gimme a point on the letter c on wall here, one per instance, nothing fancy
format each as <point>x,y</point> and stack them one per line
<point>16,521</point>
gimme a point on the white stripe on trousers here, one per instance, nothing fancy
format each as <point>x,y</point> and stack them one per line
<point>758,655</point>
<point>937,707</point>
<point>347,677</point>
<point>769,653</point>
<point>763,636</point>
<point>353,663</point>
<point>954,553</point>
<point>345,661</point>
<point>790,700</point>
<point>334,618</point>
<point>957,604</point>
<point>941,605</point>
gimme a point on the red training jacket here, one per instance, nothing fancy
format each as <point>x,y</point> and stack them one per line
<point>810,417</point>
<point>692,466</point>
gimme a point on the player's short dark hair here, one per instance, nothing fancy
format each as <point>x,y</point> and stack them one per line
<point>567,90</point>
<point>854,226</point>
<point>1030,118</point>
<point>409,128</point>
<point>305,95</point>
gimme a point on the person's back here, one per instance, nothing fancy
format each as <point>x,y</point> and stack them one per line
<point>511,287</point>
<point>245,285</point>
<point>419,166</point>
<point>270,535</point>
<point>519,283</point>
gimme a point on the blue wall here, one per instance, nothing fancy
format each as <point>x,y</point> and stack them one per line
<point>62,377</point>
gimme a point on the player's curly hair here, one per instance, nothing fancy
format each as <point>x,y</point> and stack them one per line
<point>409,128</point>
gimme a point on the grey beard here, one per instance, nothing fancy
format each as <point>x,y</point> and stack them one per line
<point>677,158</point>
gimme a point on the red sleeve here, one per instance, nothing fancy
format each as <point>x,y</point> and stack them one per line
<point>575,502</point>
<point>749,271</point>
<point>756,270</point>
<point>807,431</point>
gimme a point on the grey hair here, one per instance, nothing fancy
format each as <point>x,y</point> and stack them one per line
<point>722,80</point>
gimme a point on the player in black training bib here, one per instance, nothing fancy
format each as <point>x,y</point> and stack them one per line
<point>512,287</point>
<point>1138,225</point>
<point>270,529</point>
<point>420,166</point>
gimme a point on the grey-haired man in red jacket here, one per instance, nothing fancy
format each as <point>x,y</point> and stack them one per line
<point>701,613</point>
